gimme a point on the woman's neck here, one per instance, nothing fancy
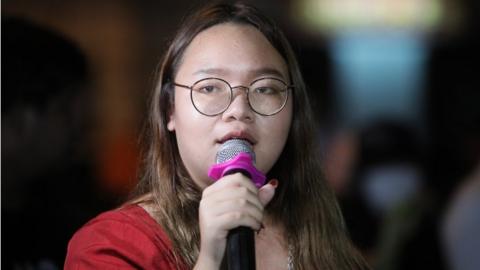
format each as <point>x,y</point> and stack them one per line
<point>271,246</point>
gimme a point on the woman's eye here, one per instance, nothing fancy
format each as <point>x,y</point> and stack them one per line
<point>265,90</point>
<point>208,89</point>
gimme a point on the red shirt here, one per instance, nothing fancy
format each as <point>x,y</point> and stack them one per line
<point>125,238</point>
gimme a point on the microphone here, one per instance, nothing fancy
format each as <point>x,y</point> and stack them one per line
<point>236,155</point>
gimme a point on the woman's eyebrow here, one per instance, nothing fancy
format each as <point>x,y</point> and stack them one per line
<point>268,71</point>
<point>263,71</point>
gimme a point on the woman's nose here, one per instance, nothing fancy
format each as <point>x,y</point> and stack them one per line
<point>239,109</point>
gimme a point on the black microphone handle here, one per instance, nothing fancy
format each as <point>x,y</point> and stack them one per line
<point>241,249</point>
<point>240,244</point>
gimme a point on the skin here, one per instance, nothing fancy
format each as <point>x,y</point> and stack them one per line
<point>232,201</point>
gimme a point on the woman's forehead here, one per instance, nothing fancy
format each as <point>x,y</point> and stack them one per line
<point>230,48</point>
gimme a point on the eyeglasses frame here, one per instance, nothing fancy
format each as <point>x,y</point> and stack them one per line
<point>247,90</point>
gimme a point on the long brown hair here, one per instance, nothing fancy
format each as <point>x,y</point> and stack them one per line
<point>303,203</point>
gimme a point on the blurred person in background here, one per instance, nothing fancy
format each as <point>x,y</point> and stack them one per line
<point>454,117</point>
<point>399,198</point>
<point>413,235</point>
<point>379,175</point>
<point>48,184</point>
<point>461,225</point>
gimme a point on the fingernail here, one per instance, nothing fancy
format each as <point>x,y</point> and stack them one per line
<point>274,183</point>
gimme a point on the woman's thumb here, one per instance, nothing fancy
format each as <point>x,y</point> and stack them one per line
<point>265,193</point>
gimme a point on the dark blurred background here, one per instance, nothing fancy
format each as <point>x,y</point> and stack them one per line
<point>395,86</point>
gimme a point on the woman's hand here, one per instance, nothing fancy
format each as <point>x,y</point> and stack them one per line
<point>228,203</point>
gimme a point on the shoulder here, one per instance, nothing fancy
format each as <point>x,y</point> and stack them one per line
<point>121,239</point>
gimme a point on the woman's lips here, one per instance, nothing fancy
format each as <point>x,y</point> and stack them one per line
<point>243,135</point>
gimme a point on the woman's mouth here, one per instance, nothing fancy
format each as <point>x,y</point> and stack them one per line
<point>241,135</point>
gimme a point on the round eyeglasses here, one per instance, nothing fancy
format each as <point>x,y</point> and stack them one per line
<point>213,96</point>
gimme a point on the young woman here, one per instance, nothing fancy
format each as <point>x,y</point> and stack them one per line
<point>229,73</point>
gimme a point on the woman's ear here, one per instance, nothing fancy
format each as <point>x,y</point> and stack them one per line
<point>171,110</point>
<point>171,121</point>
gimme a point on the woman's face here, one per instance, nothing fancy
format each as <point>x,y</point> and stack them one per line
<point>238,54</point>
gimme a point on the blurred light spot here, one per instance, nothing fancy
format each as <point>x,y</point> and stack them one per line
<point>334,15</point>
